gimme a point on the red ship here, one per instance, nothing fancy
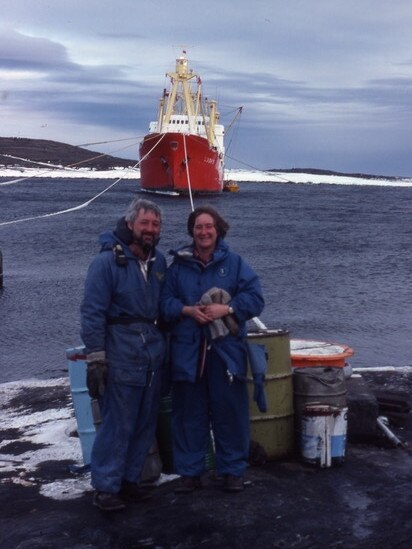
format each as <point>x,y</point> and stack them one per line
<point>183,151</point>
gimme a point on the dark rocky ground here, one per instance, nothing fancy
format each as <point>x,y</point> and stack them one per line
<point>365,503</point>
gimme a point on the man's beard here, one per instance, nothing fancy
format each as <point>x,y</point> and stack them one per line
<point>143,244</point>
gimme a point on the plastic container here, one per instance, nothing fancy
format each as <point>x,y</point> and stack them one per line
<point>274,429</point>
<point>309,354</point>
<point>81,401</point>
<point>323,435</point>
<point>88,419</point>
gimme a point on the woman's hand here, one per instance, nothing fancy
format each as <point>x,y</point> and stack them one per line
<point>216,310</point>
<point>198,313</point>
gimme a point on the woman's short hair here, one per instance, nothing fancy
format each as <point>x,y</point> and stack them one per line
<point>221,225</point>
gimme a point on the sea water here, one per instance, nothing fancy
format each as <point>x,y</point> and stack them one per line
<point>334,261</point>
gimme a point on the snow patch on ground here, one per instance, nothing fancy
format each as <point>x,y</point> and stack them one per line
<point>49,436</point>
<point>50,430</point>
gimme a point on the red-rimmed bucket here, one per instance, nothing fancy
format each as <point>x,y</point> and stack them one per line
<point>306,353</point>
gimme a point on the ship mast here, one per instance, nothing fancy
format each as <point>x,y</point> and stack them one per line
<point>182,100</point>
<point>180,89</point>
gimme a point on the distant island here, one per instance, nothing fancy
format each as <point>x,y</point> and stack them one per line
<point>26,153</point>
<point>315,171</point>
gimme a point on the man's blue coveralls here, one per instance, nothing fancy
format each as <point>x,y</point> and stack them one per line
<point>118,315</point>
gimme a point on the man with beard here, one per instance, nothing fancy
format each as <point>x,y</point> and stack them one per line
<point>125,351</point>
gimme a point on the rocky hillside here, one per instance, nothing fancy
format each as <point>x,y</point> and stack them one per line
<point>27,151</point>
<point>16,151</point>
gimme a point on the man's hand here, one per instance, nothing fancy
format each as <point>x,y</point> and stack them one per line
<point>96,377</point>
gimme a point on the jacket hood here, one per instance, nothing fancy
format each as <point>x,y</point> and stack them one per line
<point>108,239</point>
<point>185,253</point>
<point>121,235</point>
<point>123,232</point>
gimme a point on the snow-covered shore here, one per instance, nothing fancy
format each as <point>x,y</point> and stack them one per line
<point>14,175</point>
<point>44,432</point>
<point>69,173</point>
<point>38,425</point>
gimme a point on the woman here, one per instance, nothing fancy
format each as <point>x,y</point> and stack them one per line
<point>209,294</point>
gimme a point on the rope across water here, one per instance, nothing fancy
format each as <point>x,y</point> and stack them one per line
<point>74,208</point>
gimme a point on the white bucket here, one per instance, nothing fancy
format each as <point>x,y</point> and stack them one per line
<point>323,434</point>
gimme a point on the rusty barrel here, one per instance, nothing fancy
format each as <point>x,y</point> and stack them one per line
<point>274,429</point>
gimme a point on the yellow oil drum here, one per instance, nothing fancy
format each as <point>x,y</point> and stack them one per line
<point>274,429</point>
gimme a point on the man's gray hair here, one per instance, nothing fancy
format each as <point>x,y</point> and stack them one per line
<point>141,204</point>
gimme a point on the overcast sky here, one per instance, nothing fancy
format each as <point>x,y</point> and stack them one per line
<point>324,83</point>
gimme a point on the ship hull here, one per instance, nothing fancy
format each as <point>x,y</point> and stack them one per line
<point>163,165</point>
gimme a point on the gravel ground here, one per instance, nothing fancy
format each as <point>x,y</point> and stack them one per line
<point>364,503</point>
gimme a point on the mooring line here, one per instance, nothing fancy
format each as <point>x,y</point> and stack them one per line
<point>189,186</point>
<point>54,167</point>
<point>73,209</point>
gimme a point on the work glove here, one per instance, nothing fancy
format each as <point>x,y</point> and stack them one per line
<point>258,357</point>
<point>259,392</point>
<point>96,376</point>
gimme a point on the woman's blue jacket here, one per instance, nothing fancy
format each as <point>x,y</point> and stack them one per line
<point>187,279</point>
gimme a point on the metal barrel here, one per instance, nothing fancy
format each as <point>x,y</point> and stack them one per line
<point>318,385</point>
<point>164,434</point>
<point>274,429</point>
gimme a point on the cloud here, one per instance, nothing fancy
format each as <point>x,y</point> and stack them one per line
<point>298,68</point>
<point>19,51</point>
